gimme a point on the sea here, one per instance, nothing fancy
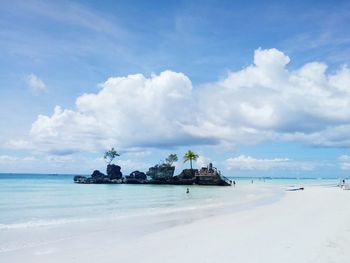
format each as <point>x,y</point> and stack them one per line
<point>36,208</point>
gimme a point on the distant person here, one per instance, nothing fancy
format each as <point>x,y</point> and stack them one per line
<point>187,191</point>
<point>252,181</point>
<point>234,183</point>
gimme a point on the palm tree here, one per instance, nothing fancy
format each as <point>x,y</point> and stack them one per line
<point>190,156</point>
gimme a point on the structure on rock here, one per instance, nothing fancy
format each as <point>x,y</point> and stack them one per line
<point>211,176</point>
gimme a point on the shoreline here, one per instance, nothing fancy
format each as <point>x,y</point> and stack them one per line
<point>303,226</point>
<point>159,217</point>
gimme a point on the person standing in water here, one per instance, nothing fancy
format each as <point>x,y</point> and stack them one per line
<point>187,191</point>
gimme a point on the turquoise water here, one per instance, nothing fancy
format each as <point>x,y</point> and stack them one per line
<point>41,210</point>
<point>28,200</point>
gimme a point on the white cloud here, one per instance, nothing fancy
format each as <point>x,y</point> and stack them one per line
<point>264,101</point>
<point>344,162</point>
<point>267,101</point>
<point>244,162</point>
<point>35,83</point>
<point>132,111</point>
<point>7,159</point>
<point>202,161</point>
<point>66,164</point>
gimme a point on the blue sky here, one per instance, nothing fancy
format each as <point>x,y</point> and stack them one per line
<point>256,87</point>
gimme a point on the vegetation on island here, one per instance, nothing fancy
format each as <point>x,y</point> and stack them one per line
<point>110,155</point>
<point>162,173</point>
<point>190,156</point>
<point>171,159</point>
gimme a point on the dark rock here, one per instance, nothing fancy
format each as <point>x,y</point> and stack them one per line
<point>97,174</point>
<point>188,174</point>
<point>161,172</point>
<point>186,177</point>
<point>113,172</point>
<point>99,178</point>
<point>79,179</point>
<point>136,177</point>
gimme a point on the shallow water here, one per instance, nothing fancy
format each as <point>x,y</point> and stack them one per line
<point>37,209</point>
<point>30,199</point>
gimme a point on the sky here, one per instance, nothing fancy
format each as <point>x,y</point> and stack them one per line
<point>259,88</point>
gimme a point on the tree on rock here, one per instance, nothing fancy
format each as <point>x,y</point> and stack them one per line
<point>111,155</point>
<point>171,159</point>
<point>190,156</point>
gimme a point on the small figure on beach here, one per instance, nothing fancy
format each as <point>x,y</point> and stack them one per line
<point>252,181</point>
<point>234,183</point>
<point>187,191</point>
<point>342,183</point>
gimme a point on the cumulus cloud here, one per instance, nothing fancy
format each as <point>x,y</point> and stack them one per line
<point>35,83</point>
<point>244,162</point>
<point>267,101</point>
<point>132,111</point>
<point>263,101</point>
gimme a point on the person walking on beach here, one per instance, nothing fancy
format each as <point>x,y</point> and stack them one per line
<point>234,183</point>
<point>187,191</point>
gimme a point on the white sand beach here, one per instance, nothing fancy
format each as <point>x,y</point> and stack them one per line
<point>303,226</point>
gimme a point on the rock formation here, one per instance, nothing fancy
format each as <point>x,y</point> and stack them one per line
<point>97,174</point>
<point>114,176</point>
<point>186,177</point>
<point>113,172</point>
<point>136,177</point>
<point>161,173</point>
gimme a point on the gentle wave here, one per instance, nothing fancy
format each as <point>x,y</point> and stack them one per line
<point>57,222</point>
<point>38,223</point>
<point>148,211</point>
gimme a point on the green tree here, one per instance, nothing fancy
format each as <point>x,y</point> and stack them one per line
<point>110,155</point>
<point>171,159</point>
<point>190,156</point>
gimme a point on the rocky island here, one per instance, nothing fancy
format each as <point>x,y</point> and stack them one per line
<point>158,174</point>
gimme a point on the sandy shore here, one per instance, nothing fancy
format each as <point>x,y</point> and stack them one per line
<point>303,226</point>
